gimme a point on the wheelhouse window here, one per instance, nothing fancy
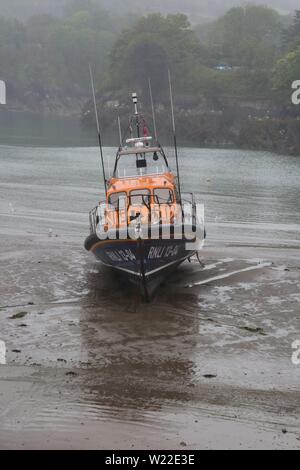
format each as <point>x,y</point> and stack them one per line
<point>114,199</point>
<point>127,166</point>
<point>163,196</point>
<point>139,197</point>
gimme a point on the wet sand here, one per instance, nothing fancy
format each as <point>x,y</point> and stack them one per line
<point>206,365</point>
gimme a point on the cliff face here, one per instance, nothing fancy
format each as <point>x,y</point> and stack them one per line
<point>253,124</point>
<point>277,135</point>
<point>56,104</point>
<point>281,135</point>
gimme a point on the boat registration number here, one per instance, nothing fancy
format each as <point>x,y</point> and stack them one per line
<point>121,255</point>
<point>158,252</point>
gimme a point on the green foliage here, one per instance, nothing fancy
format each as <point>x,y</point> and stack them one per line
<point>246,36</point>
<point>291,35</point>
<point>48,54</point>
<point>286,72</point>
<point>154,44</point>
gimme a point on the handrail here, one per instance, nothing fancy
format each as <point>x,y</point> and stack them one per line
<point>94,217</point>
<point>138,150</point>
<point>160,170</point>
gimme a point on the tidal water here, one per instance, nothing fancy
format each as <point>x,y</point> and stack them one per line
<point>248,196</point>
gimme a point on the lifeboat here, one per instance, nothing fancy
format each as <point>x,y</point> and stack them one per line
<point>146,227</point>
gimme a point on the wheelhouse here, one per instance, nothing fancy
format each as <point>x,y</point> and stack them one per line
<point>146,196</point>
<point>140,158</point>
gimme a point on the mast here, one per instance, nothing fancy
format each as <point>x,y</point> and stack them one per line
<point>98,128</point>
<point>174,133</point>
<point>136,113</point>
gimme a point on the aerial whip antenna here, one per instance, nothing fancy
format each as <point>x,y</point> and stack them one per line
<point>153,111</point>
<point>174,133</point>
<point>98,127</point>
<point>120,131</point>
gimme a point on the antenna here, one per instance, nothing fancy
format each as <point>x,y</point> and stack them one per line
<point>153,111</point>
<point>98,127</point>
<point>174,133</point>
<point>120,131</point>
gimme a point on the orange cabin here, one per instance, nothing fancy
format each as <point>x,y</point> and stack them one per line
<point>129,198</point>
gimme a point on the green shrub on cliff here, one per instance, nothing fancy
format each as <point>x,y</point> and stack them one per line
<point>286,72</point>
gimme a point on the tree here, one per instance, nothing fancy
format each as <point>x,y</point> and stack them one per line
<point>291,35</point>
<point>88,12</point>
<point>246,36</point>
<point>154,44</point>
<point>286,72</point>
<point>49,54</point>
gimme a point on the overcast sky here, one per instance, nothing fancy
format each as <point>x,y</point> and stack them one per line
<point>198,10</point>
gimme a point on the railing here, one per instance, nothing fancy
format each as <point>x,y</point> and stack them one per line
<point>186,198</point>
<point>132,173</point>
<point>94,219</point>
<point>189,198</point>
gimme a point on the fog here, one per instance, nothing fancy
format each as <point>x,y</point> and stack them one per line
<point>220,59</point>
<point>199,11</point>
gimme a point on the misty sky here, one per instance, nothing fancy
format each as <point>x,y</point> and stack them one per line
<point>198,10</point>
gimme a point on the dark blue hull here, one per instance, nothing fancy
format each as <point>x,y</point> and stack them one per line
<point>144,262</point>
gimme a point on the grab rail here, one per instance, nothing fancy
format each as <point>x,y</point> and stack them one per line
<point>188,198</point>
<point>127,173</point>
